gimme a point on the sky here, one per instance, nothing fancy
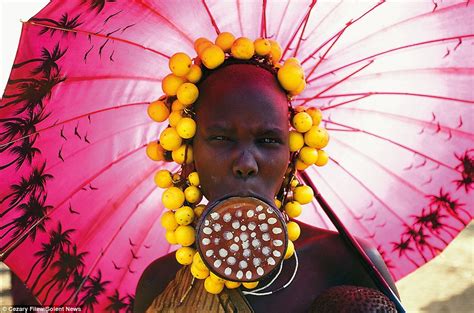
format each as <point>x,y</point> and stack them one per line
<point>12,12</point>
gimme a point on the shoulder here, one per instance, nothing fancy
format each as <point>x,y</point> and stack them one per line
<point>154,280</point>
<point>316,240</point>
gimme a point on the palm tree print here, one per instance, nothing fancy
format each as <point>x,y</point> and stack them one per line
<point>94,288</point>
<point>117,303</point>
<point>57,241</point>
<point>35,210</point>
<point>35,184</point>
<point>443,201</point>
<point>68,262</point>
<point>24,152</point>
<point>33,92</point>
<point>97,4</point>
<point>20,127</point>
<point>75,285</point>
<point>467,171</point>
<point>48,62</point>
<point>63,23</point>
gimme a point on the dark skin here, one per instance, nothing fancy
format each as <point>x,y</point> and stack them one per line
<point>241,148</point>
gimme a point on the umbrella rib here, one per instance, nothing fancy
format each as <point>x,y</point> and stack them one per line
<point>373,56</point>
<point>399,23</point>
<point>263,20</point>
<point>385,169</point>
<point>344,79</point>
<point>337,36</point>
<point>409,120</point>
<point>395,143</point>
<point>282,19</point>
<point>300,39</point>
<point>73,79</point>
<point>239,14</point>
<point>371,93</point>
<point>78,31</point>
<point>22,236</point>
<point>303,21</point>
<point>95,143</point>
<point>118,229</point>
<point>346,206</point>
<point>154,11</point>
<point>369,191</point>
<point>76,118</point>
<point>323,108</point>
<point>213,20</point>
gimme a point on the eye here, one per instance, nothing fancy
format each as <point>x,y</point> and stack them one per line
<point>219,138</point>
<point>269,140</point>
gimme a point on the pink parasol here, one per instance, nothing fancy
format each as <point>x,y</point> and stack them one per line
<point>79,209</point>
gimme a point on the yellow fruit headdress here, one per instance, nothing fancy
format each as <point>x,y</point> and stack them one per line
<point>182,195</point>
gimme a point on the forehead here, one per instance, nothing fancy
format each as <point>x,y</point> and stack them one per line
<point>242,93</point>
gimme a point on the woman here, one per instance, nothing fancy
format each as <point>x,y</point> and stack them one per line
<point>241,149</point>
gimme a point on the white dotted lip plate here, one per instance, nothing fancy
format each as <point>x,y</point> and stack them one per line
<point>242,239</point>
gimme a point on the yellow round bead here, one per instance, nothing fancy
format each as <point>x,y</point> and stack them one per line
<point>199,263</point>
<point>212,286</point>
<point>170,139</point>
<point>293,61</point>
<point>168,221</point>
<point>180,64</point>
<point>232,284</point>
<point>183,154</point>
<point>195,74</point>
<point>300,165</point>
<point>277,203</point>
<point>225,40</point>
<point>302,122</point>
<point>192,194</point>
<point>323,158</point>
<point>290,250</point>
<point>308,155</point>
<point>212,57</point>
<point>158,111</point>
<point>216,278</point>
<point>317,137</point>
<point>316,115</point>
<point>199,274</point>
<point>199,42</point>
<point>294,182</point>
<point>290,76</point>
<point>303,194</point>
<point>185,235</point>
<point>184,215</point>
<point>173,198</point>
<point>275,51</point>
<point>171,237</point>
<point>155,151</point>
<point>184,255</point>
<point>295,140</point>
<point>193,179</point>
<point>293,209</point>
<point>171,83</point>
<point>163,179</point>
<point>262,46</point>
<point>203,46</point>
<point>187,94</point>
<point>242,49</point>
<point>186,128</point>
<point>199,209</point>
<point>177,106</point>
<point>250,285</point>
<point>175,117</point>
<point>298,89</point>
<point>294,230</point>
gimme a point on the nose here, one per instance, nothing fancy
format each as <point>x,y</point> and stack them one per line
<point>245,165</point>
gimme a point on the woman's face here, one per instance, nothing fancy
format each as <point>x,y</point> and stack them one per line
<point>241,143</point>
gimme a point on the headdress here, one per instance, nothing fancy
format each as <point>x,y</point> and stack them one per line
<point>182,196</point>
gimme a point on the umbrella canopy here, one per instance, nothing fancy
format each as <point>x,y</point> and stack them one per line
<point>79,209</point>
